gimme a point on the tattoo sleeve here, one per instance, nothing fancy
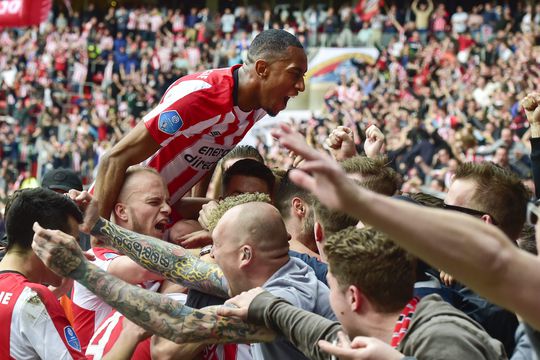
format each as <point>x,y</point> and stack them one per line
<point>164,316</point>
<point>170,260</point>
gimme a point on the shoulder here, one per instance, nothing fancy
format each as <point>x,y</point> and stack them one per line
<point>198,84</point>
<point>36,299</point>
<point>296,282</point>
<point>439,328</point>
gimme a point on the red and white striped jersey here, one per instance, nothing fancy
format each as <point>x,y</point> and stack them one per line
<point>106,335</point>
<point>109,330</point>
<point>196,123</point>
<point>89,310</point>
<point>33,325</point>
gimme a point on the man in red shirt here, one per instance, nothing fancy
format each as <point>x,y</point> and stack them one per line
<point>32,322</point>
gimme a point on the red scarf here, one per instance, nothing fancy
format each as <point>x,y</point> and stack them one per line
<point>403,322</point>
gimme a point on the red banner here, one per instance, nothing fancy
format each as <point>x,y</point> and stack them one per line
<point>23,13</point>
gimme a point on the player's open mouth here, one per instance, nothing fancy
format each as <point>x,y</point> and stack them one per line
<point>161,226</point>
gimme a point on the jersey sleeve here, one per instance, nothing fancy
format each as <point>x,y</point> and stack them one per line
<point>44,326</point>
<point>187,108</point>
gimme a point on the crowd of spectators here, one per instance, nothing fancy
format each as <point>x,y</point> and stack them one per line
<point>449,91</point>
<point>444,89</point>
<point>443,92</point>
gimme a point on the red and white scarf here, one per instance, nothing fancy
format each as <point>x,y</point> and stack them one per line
<point>403,322</point>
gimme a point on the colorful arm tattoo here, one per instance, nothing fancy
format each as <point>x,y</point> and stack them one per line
<point>170,260</point>
<point>162,315</point>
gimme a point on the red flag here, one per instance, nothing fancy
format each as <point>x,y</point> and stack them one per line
<point>366,9</point>
<point>23,13</point>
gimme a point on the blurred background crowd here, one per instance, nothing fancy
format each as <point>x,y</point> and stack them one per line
<point>444,90</point>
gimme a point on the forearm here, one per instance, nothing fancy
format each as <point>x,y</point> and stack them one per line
<point>302,328</point>
<point>111,172</point>
<point>477,254</point>
<point>123,348</point>
<point>167,259</point>
<point>535,160</point>
<point>163,316</point>
<point>164,349</point>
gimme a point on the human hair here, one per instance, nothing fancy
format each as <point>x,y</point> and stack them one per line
<point>285,192</point>
<point>132,171</point>
<point>242,152</point>
<point>232,201</point>
<point>135,169</point>
<point>271,45</point>
<point>427,200</point>
<point>369,260</point>
<point>50,209</point>
<point>373,174</point>
<point>527,239</point>
<point>249,167</point>
<point>499,192</point>
<point>331,221</point>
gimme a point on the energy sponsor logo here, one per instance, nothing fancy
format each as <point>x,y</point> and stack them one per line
<point>205,157</point>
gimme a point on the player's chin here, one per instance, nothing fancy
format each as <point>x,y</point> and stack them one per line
<point>275,110</point>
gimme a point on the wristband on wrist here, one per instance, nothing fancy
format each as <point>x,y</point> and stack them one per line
<point>205,250</point>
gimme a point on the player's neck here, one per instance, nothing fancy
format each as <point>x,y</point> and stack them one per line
<point>247,92</point>
<point>19,261</point>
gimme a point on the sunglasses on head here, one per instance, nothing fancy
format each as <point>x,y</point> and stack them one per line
<point>472,212</point>
<point>533,212</point>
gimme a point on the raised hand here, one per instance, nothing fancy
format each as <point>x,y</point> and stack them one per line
<point>532,110</point>
<point>319,173</point>
<point>374,142</point>
<point>58,250</point>
<point>238,306</point>
<point>341,143</point>
<point>360,348</point>
<point>88,205</point>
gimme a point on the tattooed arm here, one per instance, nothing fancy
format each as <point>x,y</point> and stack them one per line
<point>170,260</point>
<point>155,312</point>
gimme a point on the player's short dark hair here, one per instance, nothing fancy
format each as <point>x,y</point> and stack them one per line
<point>242,152</point>
<point>285,192</point>
<point>249,167</point>
<point>50,209</point>
<point>271,45</point>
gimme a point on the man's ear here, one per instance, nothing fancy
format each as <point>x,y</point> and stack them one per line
<point>298,206</point>
<point>318,232</point>
<point>246,255</point>
<point>487,219</point>
<point>355,298</point>
<point>261,68</point>
<point>120,212</point>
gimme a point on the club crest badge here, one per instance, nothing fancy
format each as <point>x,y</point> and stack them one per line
<point>170,122</point>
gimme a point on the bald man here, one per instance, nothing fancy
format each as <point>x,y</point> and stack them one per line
<point>142,206</point>
<point>250,249</point>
